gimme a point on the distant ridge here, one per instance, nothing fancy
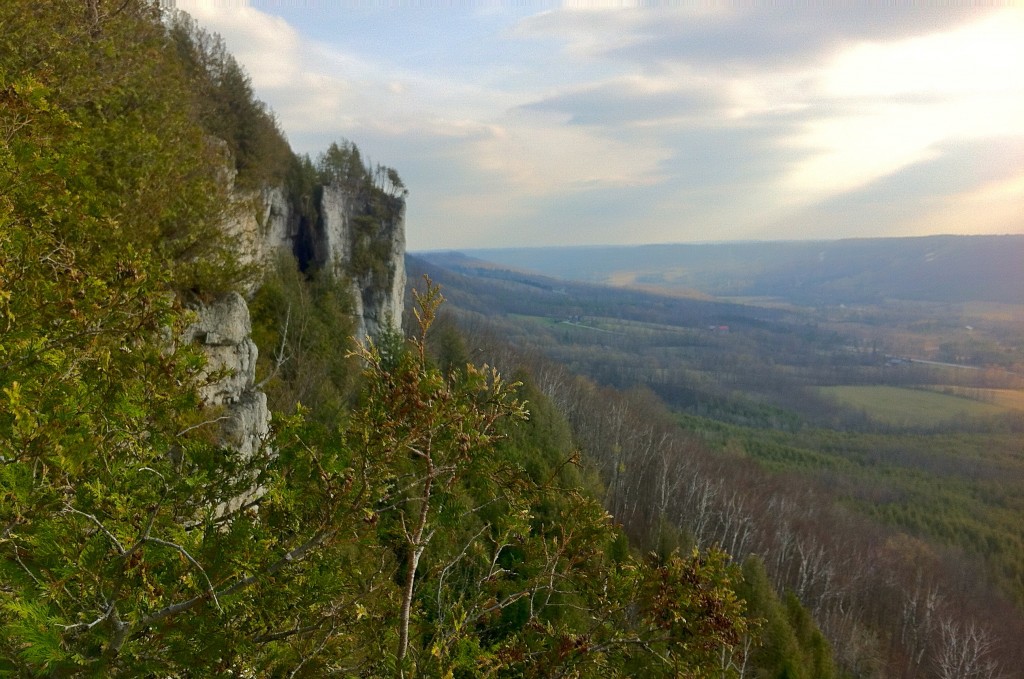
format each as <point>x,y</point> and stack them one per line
<point>929,268</point>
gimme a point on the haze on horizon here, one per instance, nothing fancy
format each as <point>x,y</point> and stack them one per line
<point>532,124</point>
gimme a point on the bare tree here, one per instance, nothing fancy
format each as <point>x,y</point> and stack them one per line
<point>966,652</point>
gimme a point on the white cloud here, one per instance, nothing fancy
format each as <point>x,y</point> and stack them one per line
<point>993,208</point>
<point>982,58</point>
<point>541,159</point>
<point>897,102</point>
<point>713,121</point>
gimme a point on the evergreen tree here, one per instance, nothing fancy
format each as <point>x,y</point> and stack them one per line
<point>402,539</point>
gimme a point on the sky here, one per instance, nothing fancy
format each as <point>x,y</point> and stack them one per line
<point>520,123</point>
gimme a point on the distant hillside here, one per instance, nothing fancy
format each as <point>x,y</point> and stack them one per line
<point>481,287</point>
<point>933,268</point>
<point>907,466</point>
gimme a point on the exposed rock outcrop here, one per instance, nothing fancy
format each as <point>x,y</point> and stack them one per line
<point>363,243</point>
<point>358,235</point>
<point>278,224</point>
<point>261,224</point>
<point>223,329</point>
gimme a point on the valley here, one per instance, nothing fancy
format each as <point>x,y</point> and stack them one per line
<point>237,440</point>
<point>903,416</point>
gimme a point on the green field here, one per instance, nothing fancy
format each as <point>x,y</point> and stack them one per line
<point>911,407</point>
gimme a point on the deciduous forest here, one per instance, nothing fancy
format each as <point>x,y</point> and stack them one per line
<point>877,489</point>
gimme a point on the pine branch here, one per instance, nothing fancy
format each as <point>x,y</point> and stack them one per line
<point>291,557</point>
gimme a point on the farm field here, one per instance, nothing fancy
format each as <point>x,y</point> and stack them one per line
<point>921,446</point>
<point>1011,399</point>
<point>902,406</point>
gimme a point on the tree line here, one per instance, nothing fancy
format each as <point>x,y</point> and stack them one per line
<point>890,604</point>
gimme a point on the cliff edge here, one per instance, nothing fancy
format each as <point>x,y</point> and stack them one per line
<point>352,232</point>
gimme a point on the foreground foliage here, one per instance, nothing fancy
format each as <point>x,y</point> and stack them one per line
<point>424,530</point>
<point>407,543</point>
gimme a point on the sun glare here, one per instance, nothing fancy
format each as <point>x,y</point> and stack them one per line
<point>985,57</point>
<point>895,103</point>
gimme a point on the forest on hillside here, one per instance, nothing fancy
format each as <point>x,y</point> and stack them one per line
<point>883,494</point>
<point>414,511</point>
<point>947,269</point>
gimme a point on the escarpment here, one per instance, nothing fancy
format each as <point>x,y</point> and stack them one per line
<point>351,231</point>
<point>223,329</point>
<point>360,239</point>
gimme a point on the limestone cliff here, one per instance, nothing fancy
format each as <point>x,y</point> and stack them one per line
<point>357,234</point>
<point>261,223</point>
<point>362,242</point>
<point>223,329</point>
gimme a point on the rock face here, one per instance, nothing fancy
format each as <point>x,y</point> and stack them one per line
<point>278,224</point>
<point>356,234</point>
<point>360,239</point>
<point>223,330</point>
<point>261,224</point>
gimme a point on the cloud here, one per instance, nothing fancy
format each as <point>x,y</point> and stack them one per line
<point>967,188</point>
<point>269,48</point>
<point>630,100</point>
<point>730,36</point>
<point>703,122</point>
<point>952,170</point>
<point>898,102</point>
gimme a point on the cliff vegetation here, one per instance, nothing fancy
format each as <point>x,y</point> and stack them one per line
<point>408,514</point>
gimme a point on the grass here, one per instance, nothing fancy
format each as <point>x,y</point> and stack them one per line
<point>1011,399</point>
<point>911,407</point>
<point>543,320</point>
<point>1008,398</point>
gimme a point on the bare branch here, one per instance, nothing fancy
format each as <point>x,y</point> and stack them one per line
<point>86,626</point>
<point>279,356</point>
<point>451,564</point>
<point>184,552</point>
<point>110,536</point>
<point>203,424</point>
